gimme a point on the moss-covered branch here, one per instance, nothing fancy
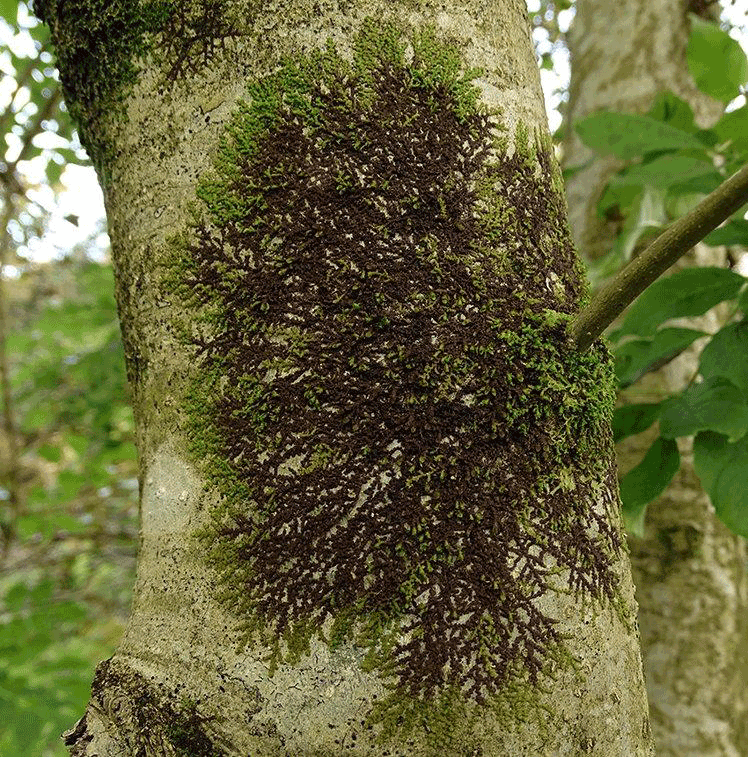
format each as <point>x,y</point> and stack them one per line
<point>611,300</point>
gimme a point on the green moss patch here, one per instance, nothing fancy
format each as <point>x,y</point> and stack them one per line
<point>406,446</point>
<point>99,44</point>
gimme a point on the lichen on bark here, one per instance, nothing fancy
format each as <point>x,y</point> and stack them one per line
<point>409,454</point>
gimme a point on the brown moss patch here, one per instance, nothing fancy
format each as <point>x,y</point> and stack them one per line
<point>407,448</point>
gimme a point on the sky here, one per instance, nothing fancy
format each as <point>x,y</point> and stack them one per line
<point>81,195</point>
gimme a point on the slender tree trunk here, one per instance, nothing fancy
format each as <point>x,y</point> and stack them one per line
<point>622,55</point>
<point>379,510</point>
<point>689,570</point>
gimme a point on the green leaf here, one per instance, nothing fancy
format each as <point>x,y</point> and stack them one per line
<point>726,356</point>
<point>38,417</point>
<point>69,484</point>
<point>723,470</point>
<point>79,443</point>
<point>8,11</point>
<point>644,209</point>
<point>732,128</point>
<point>686,293</point>
<point>40,33</point>
<point>680,202</point>
<point>640,356</point>
<point>15,597</point>
<point>69,523</point>
<point>702,183</point>
<point>50,452</point>
<point>716,61</point>
<point>668,170</point>
<point>714,405</point>
<point>34,526</point>
<point>53,171</point>
<point>630,420</point>
<point>126,451</point>
<point>626,135</point>
<point>734,232</point>
<point>620,199</point>
<point>647,481</point>
<point>669,108</point>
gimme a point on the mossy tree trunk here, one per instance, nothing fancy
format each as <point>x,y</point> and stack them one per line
<point>379,509</point>
<point>689,570</point>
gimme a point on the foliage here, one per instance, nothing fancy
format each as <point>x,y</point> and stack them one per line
<point>69,571</point>
<point>45,663</point>
<point>549,28</point>
<point>33,120</point>
<point>671,165</point>
<point>709,45</point>
<point>78,459</point>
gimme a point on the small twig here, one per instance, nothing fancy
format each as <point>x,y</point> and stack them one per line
<point>8,420</point>
<point>612,299</point>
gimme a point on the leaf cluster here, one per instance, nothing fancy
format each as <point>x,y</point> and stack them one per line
<point>670,165</point>
<point>713,407</point>
<point>34,121</point>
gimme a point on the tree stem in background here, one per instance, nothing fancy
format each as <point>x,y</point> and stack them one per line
<point>7,522</point>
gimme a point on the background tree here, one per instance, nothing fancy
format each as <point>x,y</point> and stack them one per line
<point>352,379</point>
<point>690,570</point>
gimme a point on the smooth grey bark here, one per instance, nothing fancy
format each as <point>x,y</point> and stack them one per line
<point>689,570</point>
<point>180,682</point>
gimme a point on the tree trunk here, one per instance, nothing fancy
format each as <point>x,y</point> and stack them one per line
<point>379,510</point>
<point>622,55</point>
<point>689,570</point>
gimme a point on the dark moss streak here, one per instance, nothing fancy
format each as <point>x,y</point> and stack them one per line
<point>404,441</point>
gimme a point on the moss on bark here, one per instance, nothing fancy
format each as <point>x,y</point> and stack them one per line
<point>409,453</point>
<point>150,719</point>
<point>100,45</point>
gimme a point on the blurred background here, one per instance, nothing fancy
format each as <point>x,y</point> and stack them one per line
<point>68,471</point>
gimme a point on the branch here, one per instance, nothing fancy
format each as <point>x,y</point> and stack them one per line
<point>612,298</point>
<point>8,522</point>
